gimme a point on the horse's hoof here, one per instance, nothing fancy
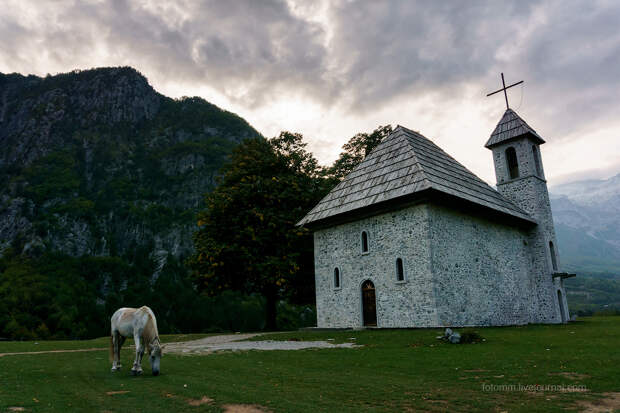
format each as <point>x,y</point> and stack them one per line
<point>136,372</point>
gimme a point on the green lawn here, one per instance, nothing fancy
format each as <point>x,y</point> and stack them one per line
<point>395,370</point>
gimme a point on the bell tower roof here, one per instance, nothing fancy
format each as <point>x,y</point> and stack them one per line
<point>510,127</point>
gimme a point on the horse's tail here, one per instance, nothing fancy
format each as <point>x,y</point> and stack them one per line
<point>111,348</point>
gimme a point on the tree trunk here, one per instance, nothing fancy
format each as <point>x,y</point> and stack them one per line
<point>272,300</point>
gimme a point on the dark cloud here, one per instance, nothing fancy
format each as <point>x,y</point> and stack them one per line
<point>362,55</point>
<point>395,48</point>
<point>248,50</point>
<point>568,52</point>
<point>572,61</point>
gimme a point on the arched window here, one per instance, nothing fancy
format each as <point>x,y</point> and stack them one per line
<point>536,160</point>
<point>364,242</point>
<point>336,278</point>
<point>513,164</point>
<point>400,271</point>
<point>554,262</point>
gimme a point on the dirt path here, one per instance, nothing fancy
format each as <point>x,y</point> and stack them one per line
<point>201,344</point>
<point>215,343</point>
<point>233,342</point>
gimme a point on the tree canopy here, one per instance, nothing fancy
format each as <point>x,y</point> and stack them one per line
<point>247,239</point>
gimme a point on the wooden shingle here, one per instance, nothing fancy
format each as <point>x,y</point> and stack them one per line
<point>403,164</point>
<point>510,127</point>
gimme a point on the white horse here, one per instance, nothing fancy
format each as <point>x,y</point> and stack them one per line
<point>142,325</point>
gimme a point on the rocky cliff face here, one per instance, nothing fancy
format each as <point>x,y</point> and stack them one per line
<point>98,163</point>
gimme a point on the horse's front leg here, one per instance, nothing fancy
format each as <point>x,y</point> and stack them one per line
<point>137,364</point>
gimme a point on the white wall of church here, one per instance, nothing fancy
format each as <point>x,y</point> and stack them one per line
<point>400,234</point>
<point>529,191</point>
<point>481,270</point>
<point>460,270</point>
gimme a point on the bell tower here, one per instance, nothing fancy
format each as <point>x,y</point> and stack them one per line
<point>521,179</point>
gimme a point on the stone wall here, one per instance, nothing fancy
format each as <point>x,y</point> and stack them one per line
<point>401,234</point>
<point>525,157</point>
<point>529,191</point>
<point>481,270</point>
<point>459,270</point>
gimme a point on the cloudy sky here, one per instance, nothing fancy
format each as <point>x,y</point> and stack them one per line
<point>330,69</point>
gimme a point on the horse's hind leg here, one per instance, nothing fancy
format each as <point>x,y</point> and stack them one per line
<point>114,344</point>
<point>120,340</point>
<point>117,342</point>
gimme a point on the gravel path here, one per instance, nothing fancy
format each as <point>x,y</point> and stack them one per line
<point>232,342</point>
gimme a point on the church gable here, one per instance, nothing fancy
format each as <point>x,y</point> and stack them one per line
<point>389,171</point>
<point>448,176</point>
<point>404,165</point>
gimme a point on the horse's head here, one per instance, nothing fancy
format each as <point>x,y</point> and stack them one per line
<point>155,356</point>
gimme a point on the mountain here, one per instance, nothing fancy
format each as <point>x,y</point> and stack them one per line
<point>587,222</point>
<point>97,163</point>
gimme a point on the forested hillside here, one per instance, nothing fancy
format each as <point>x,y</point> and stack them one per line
<point>98,163</point>
<point>100,181</point>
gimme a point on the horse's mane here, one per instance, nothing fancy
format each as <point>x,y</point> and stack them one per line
<point>150,332</point>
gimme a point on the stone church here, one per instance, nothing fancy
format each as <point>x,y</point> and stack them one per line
<point>411,238</point>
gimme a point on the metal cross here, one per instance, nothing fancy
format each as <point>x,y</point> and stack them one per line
<point>504,89</point>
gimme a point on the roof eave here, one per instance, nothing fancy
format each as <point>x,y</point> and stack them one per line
<point>532,136</point>
<point>427,195</point>
<point>367,211</point>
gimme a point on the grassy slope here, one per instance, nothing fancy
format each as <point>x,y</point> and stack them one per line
<point>395,370</point>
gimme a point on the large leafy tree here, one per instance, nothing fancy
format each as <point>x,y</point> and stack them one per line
<point>247,239</point>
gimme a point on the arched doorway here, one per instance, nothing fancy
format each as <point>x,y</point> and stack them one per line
<point>562,309</point>
<point>369,304</point>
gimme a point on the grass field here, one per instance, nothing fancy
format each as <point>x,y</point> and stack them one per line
<point>394,370</point>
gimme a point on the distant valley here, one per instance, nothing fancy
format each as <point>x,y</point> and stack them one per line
<point>587,223</point>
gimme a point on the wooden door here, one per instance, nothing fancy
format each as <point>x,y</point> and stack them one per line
<point>562,310</point>
<point>369,306</point>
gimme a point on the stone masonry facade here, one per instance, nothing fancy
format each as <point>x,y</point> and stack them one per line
<point>459,270</point>
<point>403,234</point>
<point>529,191</point>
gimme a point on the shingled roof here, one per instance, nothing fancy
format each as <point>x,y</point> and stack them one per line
<point>509,127</point>
<point>403,164</point>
